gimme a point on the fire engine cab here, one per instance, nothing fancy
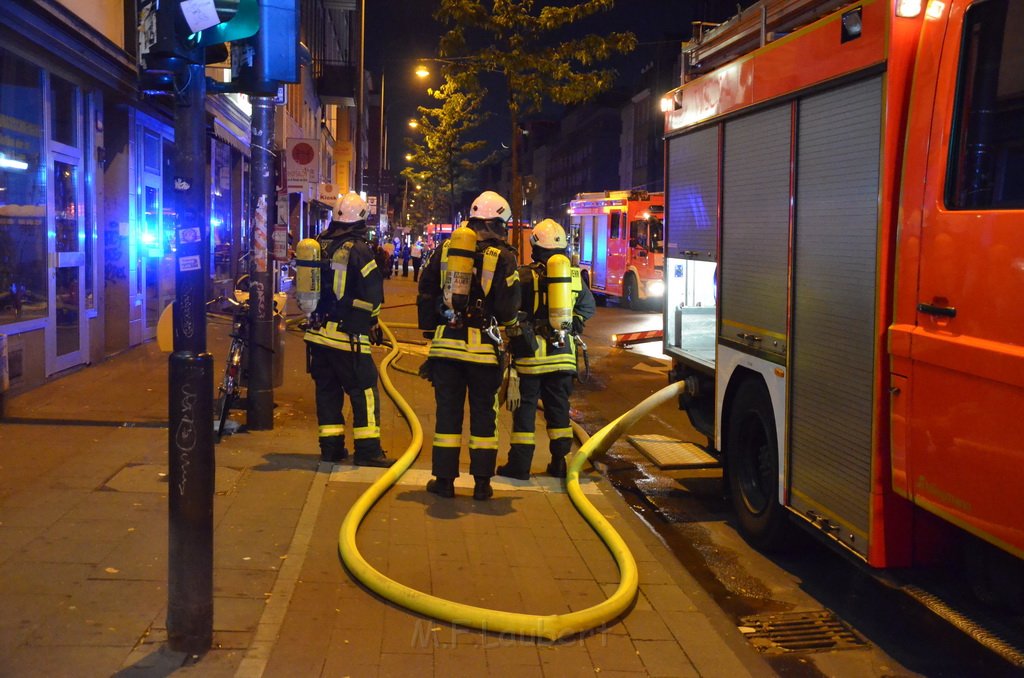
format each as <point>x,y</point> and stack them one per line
<point>619,238</point>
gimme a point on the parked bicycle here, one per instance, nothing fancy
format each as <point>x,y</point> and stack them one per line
<point>235,365</point>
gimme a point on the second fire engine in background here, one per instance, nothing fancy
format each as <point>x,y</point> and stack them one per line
<point>619,238</point>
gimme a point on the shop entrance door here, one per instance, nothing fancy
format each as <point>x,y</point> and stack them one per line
<point>66,332</point>
<point>150,253</point>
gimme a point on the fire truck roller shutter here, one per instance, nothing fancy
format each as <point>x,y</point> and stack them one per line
<point>691,226</point>
<point>755,231</point>
<point>691,242</point>
<point>833,365</point>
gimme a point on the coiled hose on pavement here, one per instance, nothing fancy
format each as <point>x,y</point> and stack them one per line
<point>551,627</point>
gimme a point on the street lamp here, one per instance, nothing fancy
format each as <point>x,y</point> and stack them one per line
<point>413,123</point>
<point>421,71</point>
<point>381,161</point>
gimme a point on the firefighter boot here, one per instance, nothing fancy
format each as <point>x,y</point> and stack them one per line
<point>332,449</point>
<point>379,460</point>
<point>442,487</point>
<point>513,470</point>
<point>483,489</point>
<point>557,467</point>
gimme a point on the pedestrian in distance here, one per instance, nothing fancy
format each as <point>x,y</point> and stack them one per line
<point>416,254</point>
<point>396,256</point>
<point>406,256</point>
<point>469,289</point>
<point>342,324</point>
<point>546,361</point>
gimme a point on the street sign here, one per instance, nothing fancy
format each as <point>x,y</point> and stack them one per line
<point>328,194</point>
<point>303,164</point>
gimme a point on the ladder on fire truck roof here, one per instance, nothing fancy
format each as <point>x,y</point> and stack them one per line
<point>753,27</point>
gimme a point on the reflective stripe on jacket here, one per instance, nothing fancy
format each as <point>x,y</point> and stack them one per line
<point>331,336</point>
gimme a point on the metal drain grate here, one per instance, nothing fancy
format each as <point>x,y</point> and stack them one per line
<point>776,633</point>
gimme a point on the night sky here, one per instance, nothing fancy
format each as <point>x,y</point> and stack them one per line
<point>398,31</point>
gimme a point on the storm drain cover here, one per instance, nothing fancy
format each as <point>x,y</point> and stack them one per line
<point>817,631</point>
<point>669,453</point>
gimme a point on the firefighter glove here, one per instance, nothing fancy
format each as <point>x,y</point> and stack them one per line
<point>376,335</point>
<point>512,395</point>
<point>427,370</point>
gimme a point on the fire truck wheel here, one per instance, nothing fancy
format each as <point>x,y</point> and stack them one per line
<point>751,453</point>
<point>995,576</point>
<point>631,293</point>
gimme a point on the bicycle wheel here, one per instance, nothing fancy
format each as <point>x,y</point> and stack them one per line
<point>229,386</point>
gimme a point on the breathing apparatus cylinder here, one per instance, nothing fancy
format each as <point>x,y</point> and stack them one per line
<point>559,293</point>
<point>459,273</point>
<point>307,274</point>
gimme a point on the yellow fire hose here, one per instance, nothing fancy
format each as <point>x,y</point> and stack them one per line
<point>551,627</point>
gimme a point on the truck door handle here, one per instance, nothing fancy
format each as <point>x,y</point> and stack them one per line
<point>932,309</point>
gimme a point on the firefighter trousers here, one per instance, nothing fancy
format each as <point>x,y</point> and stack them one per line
<point>337,373</point>
<point>453,380</point>
<point>554,388</point>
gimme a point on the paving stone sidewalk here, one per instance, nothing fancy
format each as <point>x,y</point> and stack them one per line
<point>83,548</point>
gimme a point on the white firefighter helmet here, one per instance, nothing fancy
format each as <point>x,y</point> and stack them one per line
<point>490,205</point>
<point>548,234</point>
<point>350,208</point>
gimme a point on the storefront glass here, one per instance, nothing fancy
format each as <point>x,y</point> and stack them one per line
<point>220,218</point>
<point>23,293</point>
<point>63,111</point>
<point>68,239</point>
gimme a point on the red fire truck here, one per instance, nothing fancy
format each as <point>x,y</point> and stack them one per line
<point>619,238</point>
<point>844,268</point>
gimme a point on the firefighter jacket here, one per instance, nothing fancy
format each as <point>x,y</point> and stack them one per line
<point>548,358</point>
<point>494,294</point>
<point>351,290</point>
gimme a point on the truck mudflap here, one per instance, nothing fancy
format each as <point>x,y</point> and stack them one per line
<point>698,399</point>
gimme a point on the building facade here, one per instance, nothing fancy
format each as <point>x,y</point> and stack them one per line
<point>87,219</point>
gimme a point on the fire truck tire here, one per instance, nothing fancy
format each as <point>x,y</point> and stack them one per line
<point>751,453</point>
<point>631,293</point>
<point>995,576</point>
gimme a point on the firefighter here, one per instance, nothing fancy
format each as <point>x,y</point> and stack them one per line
<point>342,321</point>
<point>556,304</point>
<point>468,290</point>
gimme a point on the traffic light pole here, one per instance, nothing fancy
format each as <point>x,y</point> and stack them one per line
<point>260,413</point>
<point>190,395</point>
